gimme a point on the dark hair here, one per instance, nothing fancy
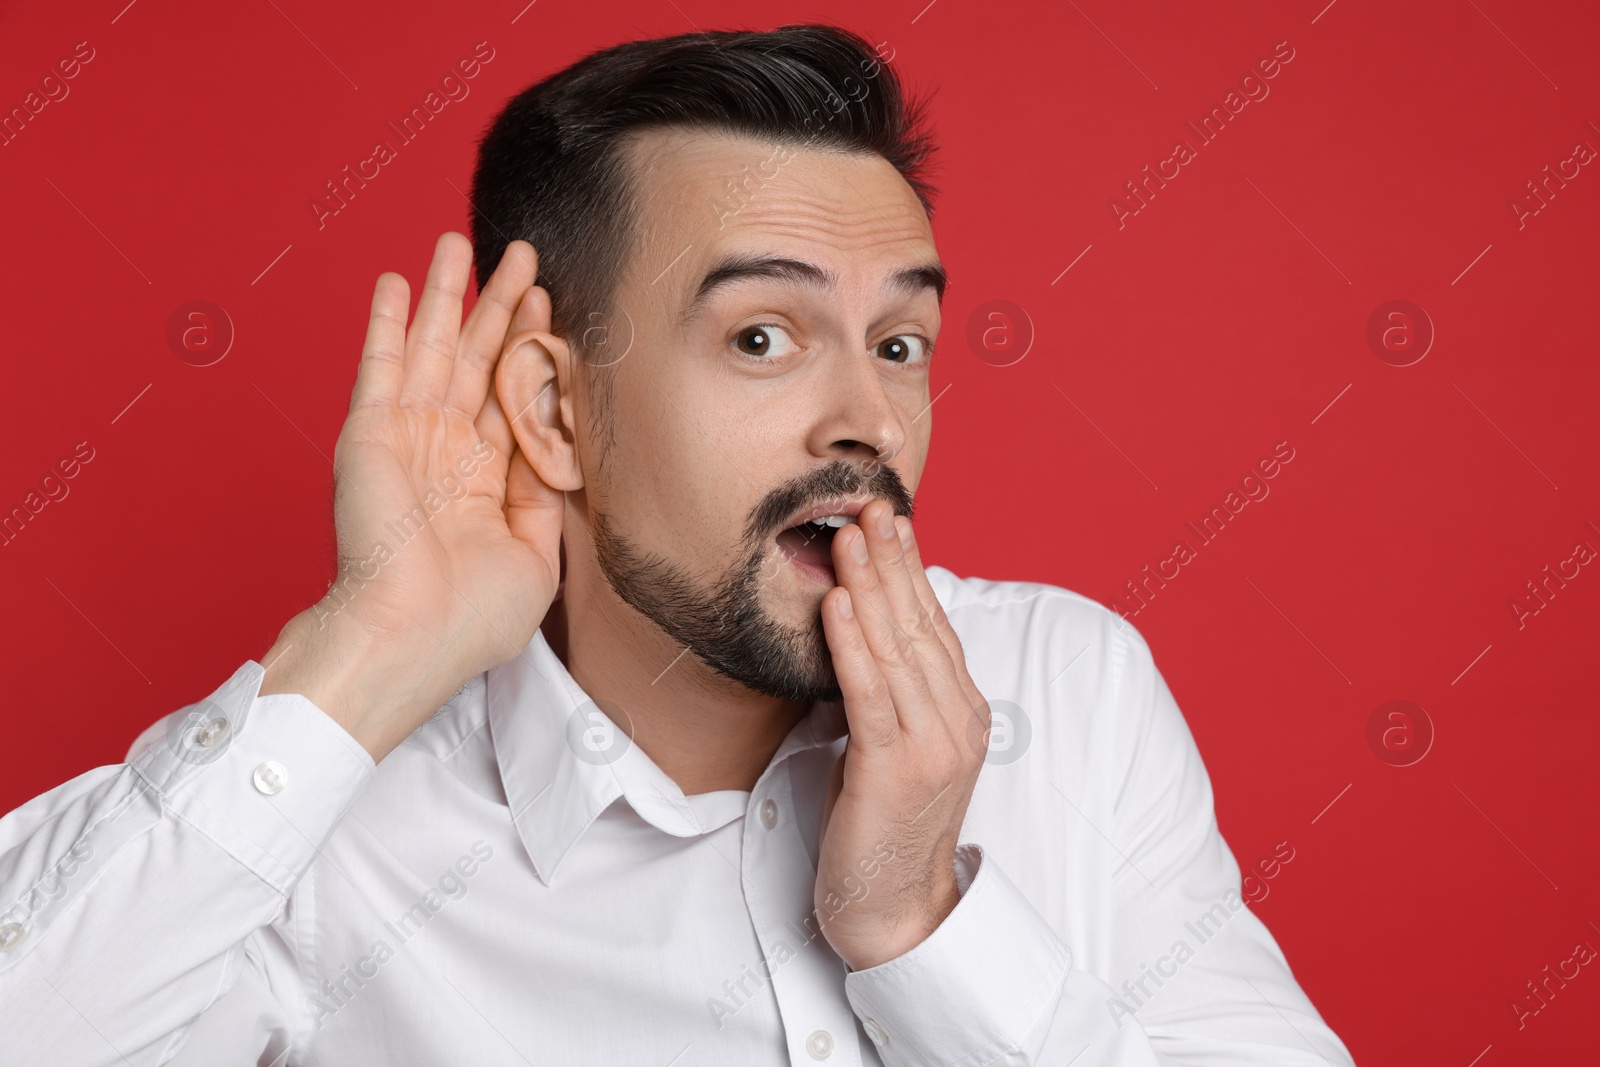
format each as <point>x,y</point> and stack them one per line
<point>551,169</point>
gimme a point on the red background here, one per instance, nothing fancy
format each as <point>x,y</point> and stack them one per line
<point>1223,318</point>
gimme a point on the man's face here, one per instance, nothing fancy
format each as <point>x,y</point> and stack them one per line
<point>777,317</point>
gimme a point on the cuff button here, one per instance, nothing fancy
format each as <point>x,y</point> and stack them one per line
<point>270,778</point>
<point>212,732</point>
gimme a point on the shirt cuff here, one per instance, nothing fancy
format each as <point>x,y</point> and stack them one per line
<point>975,988</point>
<point>266,778</point>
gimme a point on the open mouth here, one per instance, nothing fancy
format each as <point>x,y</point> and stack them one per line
<point>811,543</point>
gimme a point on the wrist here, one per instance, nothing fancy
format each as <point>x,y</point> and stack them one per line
<point>940,901</point>
<point>349,674</point>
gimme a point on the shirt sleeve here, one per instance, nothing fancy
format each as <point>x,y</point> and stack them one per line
<point>995,984</point>
<point>142,903</point>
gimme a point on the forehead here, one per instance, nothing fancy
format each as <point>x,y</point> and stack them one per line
<point>701,195</point>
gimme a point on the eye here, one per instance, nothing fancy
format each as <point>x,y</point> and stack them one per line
<point>764,340</point>
<point>904,348</point>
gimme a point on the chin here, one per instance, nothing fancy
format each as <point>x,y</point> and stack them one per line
<point>800,665</point>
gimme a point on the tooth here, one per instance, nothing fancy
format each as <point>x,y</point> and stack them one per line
<point>839,520</point>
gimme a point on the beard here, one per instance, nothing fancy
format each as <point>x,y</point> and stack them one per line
<point>728,627</point>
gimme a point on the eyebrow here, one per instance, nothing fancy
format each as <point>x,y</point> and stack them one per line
<point>737,268</point>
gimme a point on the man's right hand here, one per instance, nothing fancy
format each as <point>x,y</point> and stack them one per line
<point>449,542</point>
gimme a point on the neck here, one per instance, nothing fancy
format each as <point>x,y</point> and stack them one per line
<point>705,731</point>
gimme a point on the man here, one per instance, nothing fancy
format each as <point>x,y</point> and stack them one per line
<point>634,729</point>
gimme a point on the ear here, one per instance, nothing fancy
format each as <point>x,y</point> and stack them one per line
<point>533,382</point>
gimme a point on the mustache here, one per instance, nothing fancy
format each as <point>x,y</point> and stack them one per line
<point>836,481</point>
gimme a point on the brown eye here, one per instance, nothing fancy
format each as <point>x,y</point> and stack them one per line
<point>903,348</point>
<point>764,340</point>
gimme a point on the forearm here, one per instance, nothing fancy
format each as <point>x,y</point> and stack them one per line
<point>128,895</point>
<point>372,686</point>
<point>996,985</point>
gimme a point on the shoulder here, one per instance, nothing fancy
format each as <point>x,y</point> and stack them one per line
<point>1053,662</point>
<point>153,733</point>
<point>1019,620</point>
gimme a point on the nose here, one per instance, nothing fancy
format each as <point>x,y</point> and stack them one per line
<point>859,420</point>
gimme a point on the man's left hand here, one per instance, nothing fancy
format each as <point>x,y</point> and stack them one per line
<point>886,874</point>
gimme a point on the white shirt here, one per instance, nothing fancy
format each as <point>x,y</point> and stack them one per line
<point>518,884</point>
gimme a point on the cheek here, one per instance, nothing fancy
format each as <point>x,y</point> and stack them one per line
<point>682,476</point>
<point>917,444</point>
<point>916,400</point>
<point>917,419</point>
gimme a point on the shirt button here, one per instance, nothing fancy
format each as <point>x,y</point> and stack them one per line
<point>769,819</point>
<point>271,777</point>
<point>212,732</point>
<point>11,935</point>
<point>820,1044</point>
<point>876,1032</point>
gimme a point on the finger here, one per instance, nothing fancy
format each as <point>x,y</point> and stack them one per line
<point>484,335</point>
<point>493,427</point>
<point>868,706</point>
<point>382,355</point>
<point>936,613</point>
<point>877,521</point>
<point>896,655</point>
<point>431,344</point>
<point>533,508</point>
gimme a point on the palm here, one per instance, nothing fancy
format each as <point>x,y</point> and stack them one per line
<point>428,469</point>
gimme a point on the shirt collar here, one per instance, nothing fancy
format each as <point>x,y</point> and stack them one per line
<point>563,761</point>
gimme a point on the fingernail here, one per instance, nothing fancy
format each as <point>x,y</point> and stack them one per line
<point>858,547</point>
<point>904,525</point>
<point>845,607</point>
